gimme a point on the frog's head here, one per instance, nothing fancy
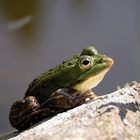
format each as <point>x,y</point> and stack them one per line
<point>92,68</point>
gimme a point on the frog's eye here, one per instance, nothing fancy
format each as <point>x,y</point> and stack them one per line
<point>85,63</point>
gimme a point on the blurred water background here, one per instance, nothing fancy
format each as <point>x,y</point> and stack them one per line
<point>37,35</point>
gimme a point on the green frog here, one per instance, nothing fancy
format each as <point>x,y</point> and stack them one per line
<point>63,87</point>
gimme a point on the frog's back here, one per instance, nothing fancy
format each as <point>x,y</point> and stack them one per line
<point>50,74</point>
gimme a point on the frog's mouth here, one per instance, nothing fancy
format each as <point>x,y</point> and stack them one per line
<point>95,78</point>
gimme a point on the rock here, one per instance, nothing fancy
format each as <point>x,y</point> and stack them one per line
<point>115,116</point>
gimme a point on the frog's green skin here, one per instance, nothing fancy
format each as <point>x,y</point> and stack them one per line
<point>76,75</point>
<point>71,73</point>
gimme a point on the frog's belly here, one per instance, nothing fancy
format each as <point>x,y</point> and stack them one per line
<point>91,82</point>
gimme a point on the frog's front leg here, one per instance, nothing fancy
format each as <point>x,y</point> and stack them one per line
<point>68,98</point>
<point>75,97</point>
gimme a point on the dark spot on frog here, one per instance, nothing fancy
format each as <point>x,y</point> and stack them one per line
<point>49,73</point>
<point>63,62</point>
<point>45,85</point>
<point>50,70</point>
<point>33,82</point>
<point>69,64</point>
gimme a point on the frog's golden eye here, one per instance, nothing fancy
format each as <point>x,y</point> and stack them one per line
<point>85,63</point>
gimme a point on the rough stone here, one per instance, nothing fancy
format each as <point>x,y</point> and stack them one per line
<point>115,116</point>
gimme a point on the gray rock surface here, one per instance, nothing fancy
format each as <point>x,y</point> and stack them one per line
<point>115,116</point>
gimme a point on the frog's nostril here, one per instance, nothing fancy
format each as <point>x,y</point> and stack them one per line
<point>99,60</point>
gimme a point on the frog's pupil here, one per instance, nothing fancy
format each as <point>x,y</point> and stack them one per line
<point>85,62</point>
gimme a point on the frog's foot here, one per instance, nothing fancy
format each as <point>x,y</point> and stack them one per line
<point>38,115</point>
<point>74,97</point>
<point>20,111</point>
<point>27,112</point>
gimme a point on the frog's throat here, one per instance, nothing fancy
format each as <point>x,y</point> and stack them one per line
<point>92,81</point>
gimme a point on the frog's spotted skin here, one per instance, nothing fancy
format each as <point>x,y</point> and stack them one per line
<point>71,74</point>
<point>51,72</point>
<point>60,88</point>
